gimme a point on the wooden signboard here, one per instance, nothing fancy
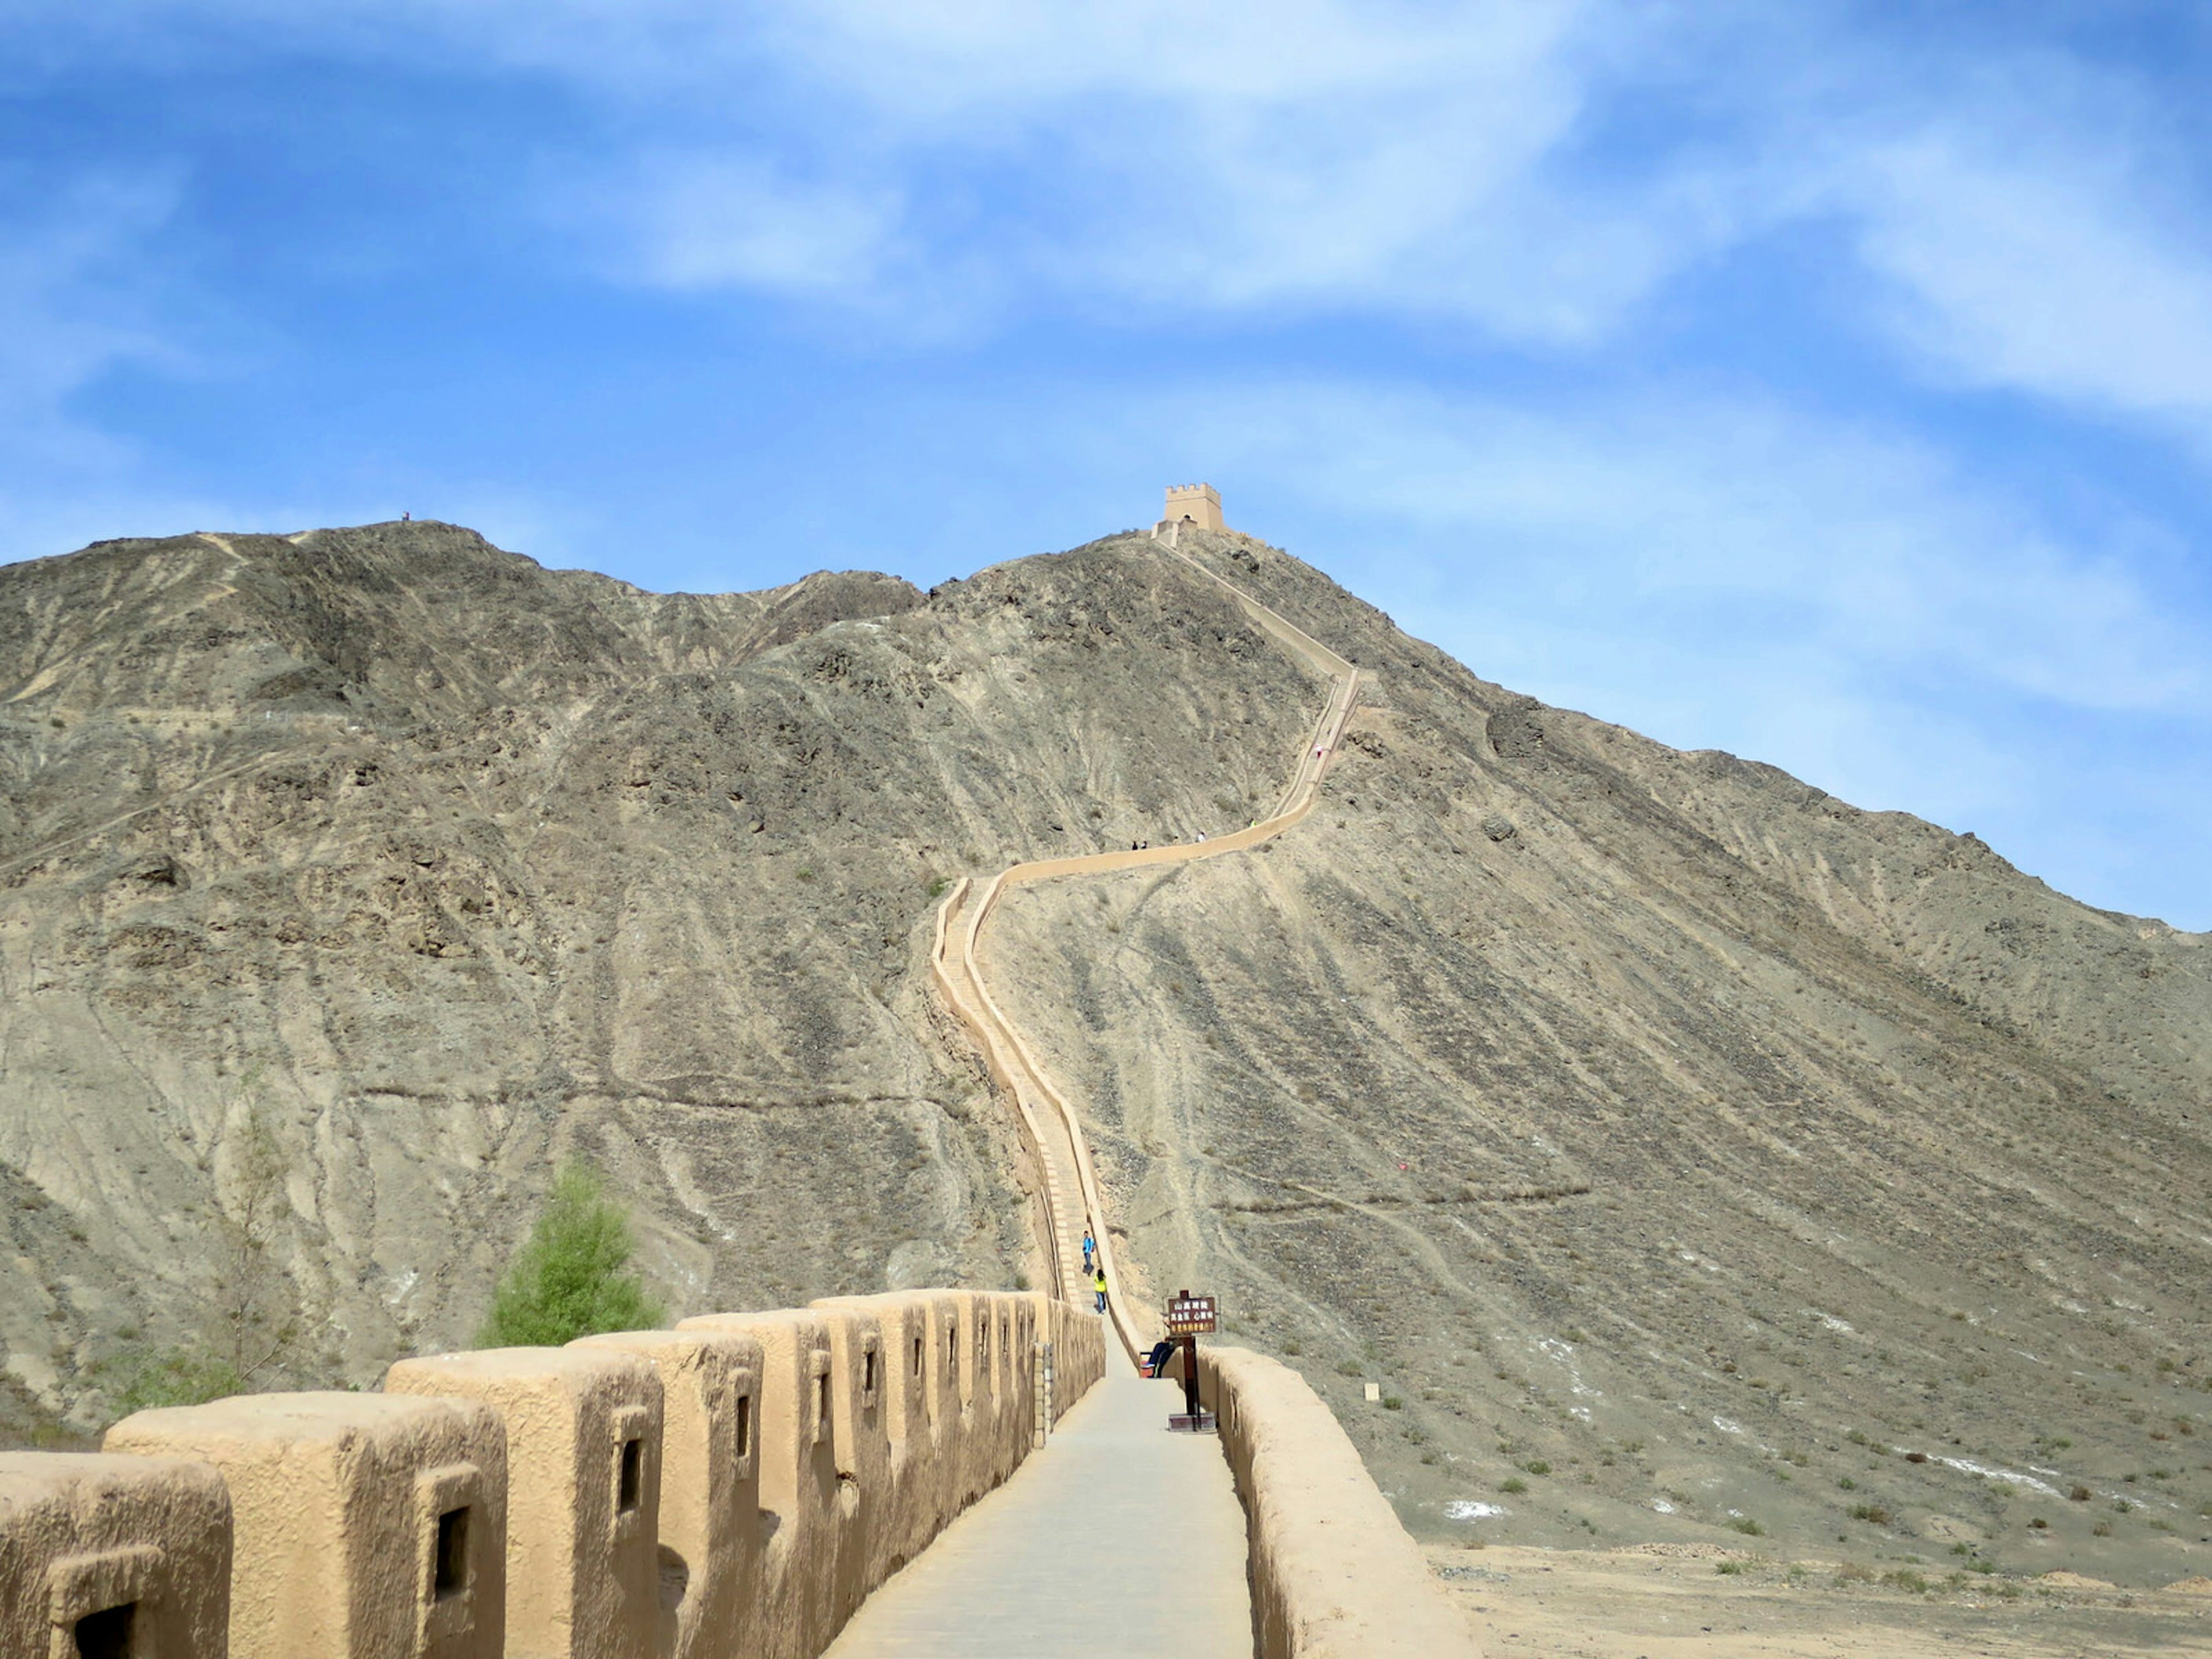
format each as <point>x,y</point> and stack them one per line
<point>1190,1315</point>
<point>1188,1318</point>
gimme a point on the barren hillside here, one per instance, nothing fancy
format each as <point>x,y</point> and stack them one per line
<point>1680,1151</point>
<point>427,862</point>
<point>1663,1137</point>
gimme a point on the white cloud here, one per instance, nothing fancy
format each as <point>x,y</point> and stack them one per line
<point>72,304</point>
<point>707,220</point>
<point>1305,154</point>
<point>1241,157</point>
<point>1810,531</point>
<point>2051,273</point>
<point>1463,162</point>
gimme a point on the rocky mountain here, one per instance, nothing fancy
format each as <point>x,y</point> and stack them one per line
<point>1682,1154</point>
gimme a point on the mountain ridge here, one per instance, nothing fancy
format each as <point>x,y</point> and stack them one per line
<point>1535,1030</point>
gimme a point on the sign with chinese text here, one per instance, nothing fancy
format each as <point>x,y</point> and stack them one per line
<point>1190,1315</point>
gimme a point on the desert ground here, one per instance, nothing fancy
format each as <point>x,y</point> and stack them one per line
<point>1657,1601</point>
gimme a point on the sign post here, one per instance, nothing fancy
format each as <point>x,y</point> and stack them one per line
<point>1189,1317</point>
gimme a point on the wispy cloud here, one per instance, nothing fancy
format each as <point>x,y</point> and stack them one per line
<point>702,221</point>
<point>74,302</point>
<point>1739,526</point>
<point>2054,272</point>
<point>1540,174</point>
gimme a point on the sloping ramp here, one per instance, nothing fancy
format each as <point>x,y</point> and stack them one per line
<point>1115,1538</point>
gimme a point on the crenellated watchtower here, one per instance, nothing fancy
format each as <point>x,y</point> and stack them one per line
<point>1198,505</point>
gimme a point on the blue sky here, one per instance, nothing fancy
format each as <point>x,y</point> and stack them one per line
<point>1830,384</point>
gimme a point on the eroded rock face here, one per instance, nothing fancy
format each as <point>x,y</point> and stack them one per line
<point>1652,1118</point>
<point>346,880</point>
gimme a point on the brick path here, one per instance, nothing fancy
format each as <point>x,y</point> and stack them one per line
<point>1114,1539</point>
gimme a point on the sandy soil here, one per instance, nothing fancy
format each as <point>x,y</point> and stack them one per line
<point>1657,1601</point>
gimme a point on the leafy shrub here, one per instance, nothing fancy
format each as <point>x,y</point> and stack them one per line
<point>570,1277</point>
<point>183,1375</point>
<point>1746,1526</point>
<point>1870,1512</point>
<point>1513,1484</point>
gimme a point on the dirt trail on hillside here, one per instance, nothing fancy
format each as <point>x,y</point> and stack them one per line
<point>1066,1180</point>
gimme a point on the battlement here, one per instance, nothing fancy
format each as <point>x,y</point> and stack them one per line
<point>735,1487</point>
<point>1198,505</point>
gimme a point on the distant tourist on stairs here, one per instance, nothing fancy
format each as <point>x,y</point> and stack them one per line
<point>1090,1247</point>
<point>1098,1285</point>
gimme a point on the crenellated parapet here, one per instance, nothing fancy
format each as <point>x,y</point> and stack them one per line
<point>1197,505</point>
<point>737,1485</point>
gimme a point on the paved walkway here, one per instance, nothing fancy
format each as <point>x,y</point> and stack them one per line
<point>1114,1538</point>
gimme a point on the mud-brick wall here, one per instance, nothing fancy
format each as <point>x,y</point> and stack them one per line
<point>1334,1575</point>
<point>736,1486</point>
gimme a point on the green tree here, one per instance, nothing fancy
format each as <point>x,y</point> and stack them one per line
<point>570,1278</point>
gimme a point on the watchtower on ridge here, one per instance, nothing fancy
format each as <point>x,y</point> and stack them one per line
<point>1198,505</point>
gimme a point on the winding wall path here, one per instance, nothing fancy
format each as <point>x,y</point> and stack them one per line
<point>1067,1183</point>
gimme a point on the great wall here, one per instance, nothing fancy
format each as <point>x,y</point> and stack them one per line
<point>738,1486</point>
